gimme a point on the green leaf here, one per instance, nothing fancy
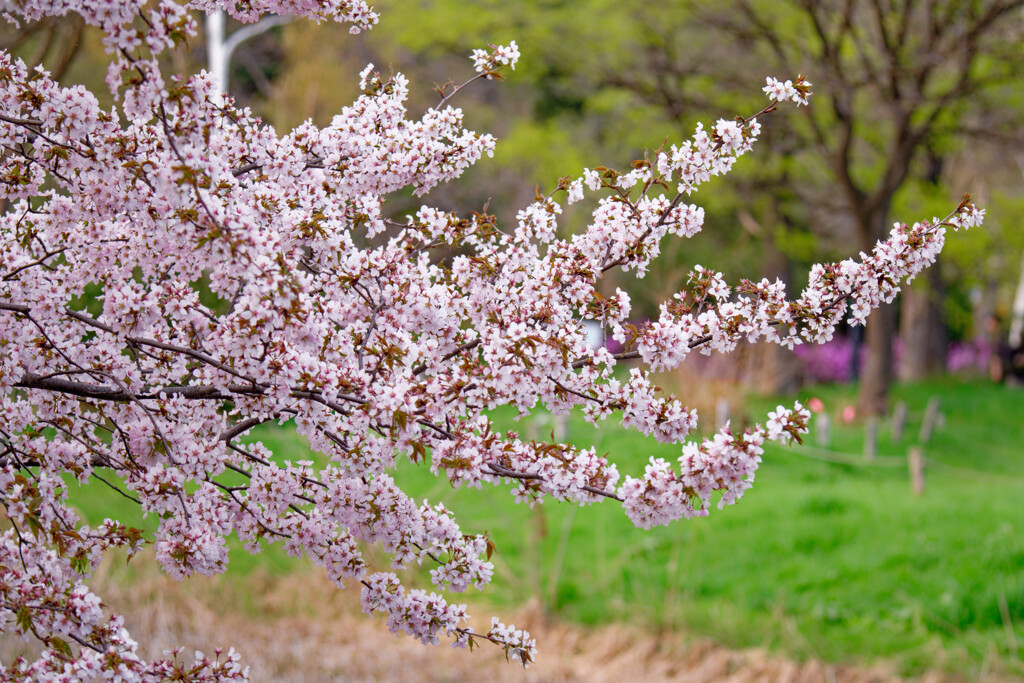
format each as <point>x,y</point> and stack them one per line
<point>24,618</point>
<point>59,645</point>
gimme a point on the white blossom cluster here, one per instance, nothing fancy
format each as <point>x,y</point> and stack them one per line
<point>788,91</point>
<point>489,61</point>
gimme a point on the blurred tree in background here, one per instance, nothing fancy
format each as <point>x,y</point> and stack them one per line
<point>51,42</point>
<point>905,82</point>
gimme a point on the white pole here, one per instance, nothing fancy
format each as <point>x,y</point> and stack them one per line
<point>1017,312</point>
<point>220,47</point>
<point>216,54</point>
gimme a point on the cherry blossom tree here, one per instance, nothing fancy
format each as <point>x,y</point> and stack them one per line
<point>333,316</point>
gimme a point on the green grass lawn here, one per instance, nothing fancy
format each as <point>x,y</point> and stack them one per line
<point>837,561</point>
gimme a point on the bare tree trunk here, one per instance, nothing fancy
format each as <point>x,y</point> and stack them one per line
<point>773,369</point>
<point>779,370</point>
<point>923,327</point>
<point>877,373</point>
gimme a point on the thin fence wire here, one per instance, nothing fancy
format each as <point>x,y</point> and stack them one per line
<point>840,458</point>
<point>854,460</point>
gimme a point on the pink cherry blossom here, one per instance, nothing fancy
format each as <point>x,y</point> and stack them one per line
<point>321,310</point>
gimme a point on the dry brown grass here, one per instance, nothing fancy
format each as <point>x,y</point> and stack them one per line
<point>299,628</point>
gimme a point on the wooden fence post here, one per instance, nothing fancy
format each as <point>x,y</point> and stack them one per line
<point>931,417</point>
<point>533,427</point>
<point>721,413</point>
<point>899,421</point>
<point>870,438</point>
<point>915,461</point>
<point>822,430</point>
<point>561,428</point>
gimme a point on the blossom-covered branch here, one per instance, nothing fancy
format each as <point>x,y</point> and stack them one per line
<point>174,273</point>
